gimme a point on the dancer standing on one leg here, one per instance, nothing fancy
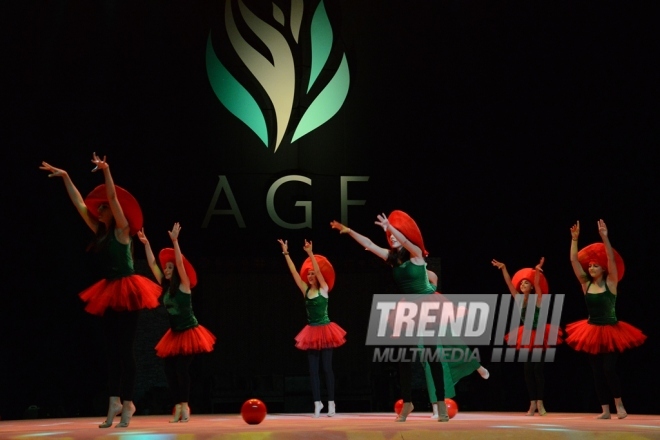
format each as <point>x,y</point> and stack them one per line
<point>114,216</point>
<point>530,281</point>
<point>320,336</point>
<point>406,255</point>
<point>186,337</point>
<point>599,268</point>
<point>452,371</point>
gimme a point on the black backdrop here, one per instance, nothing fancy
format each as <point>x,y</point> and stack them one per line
<point>495,124</point>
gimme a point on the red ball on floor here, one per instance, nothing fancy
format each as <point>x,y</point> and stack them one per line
<point>253,411</point>
<point>398,406</point>
<point>452,408</point>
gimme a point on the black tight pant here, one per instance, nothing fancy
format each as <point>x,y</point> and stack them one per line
<point>606,379</point>
<point>177,370</point>
<point>405,378</point>
<point>534,379</point>
<point>315,357</point>
<point>119,330</point>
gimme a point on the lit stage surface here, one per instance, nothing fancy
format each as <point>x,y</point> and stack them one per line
<point>465,425</point>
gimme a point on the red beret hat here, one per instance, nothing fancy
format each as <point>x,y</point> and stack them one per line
<point>596,252</point>
<point>407,226</point>
<point>167,256</point>
<point>129,205</point>
<point>327,270</point>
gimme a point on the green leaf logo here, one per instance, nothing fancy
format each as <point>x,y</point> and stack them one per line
<point>277,75</point>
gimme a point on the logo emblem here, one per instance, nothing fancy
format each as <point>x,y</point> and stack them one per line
<point>271,51</point>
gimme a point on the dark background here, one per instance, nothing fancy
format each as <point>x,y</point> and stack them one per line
<point>495,124</point>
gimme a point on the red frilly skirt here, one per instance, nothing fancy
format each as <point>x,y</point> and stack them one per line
<point>521,334</point>
<point>190,341</point>
<point>133,292</point>
<point>595,339</point>
<point>318,337</point>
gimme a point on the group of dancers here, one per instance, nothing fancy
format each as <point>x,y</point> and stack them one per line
<point>114,216</point>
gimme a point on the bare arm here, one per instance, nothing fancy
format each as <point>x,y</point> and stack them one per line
<point>362,240</point>
<point>433,278</point>
<point>577,267</point>
<point>73,193</point>
<point>507,277</point>
<point>292,268</point>
<point>121,223</point>
<point>178,258</point>
<point>416,254</point>
<point>537,282</point>
<point>323,285</point>
<point>612,271</point>
<point>151,259</point>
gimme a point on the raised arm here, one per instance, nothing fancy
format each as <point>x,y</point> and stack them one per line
<point>537,281</point>
<point>361,239</point>
<point>178,258</point>
<point>577,267</point>
<point>507,278</point>
<point>121,223</point>
<point>151,259</point>
<point>416,254</point>
<point>73,193</point>
<point>323,285</point>
<point>612,271</point>
<point>292,268</point>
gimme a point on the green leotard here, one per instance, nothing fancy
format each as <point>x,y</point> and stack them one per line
<point>601,307</point>
<point>317,309</point>
<point>179,309</point>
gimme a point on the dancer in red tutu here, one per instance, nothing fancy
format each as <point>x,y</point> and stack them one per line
<point>599,268</point>
<point>115,216</point>
<point>522,284</point>
<point>186,337</point>
<point>320,335</point>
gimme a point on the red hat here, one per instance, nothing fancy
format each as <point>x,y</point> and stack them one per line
<point>167,256</point>
<point>596,253</point>
<point>327,270</point>
<point>528,274</point>
<point>129,205</point>
<point>407,226</point>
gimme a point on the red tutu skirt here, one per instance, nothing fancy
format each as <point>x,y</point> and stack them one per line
<point>595,339</point>
<point>521,333</point>
<point>318,337</point>
<point>191,341</point>
<point>133,292</point>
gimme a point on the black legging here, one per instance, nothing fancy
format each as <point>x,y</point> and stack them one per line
<point>534,379</point>
<point>119,330</point>
<point>325,357</point>
<point>606,378</point>
<point>405,377</point>
<point>177,370</point>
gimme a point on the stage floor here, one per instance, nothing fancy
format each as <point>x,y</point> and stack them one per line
<point>371,426</point>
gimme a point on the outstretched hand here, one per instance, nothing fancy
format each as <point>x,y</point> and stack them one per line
<point>538,266</point>
<point>284,244</point>
<point>308,247</point>
<point>382,221</point>
<point>54,172</point>
<point>575,230</point>
<point>143,238</point>
<point>174,233</point>
<point>602,228</point>
<point>497,264</point>
<point>338,226</point>
<point>101,164</point>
